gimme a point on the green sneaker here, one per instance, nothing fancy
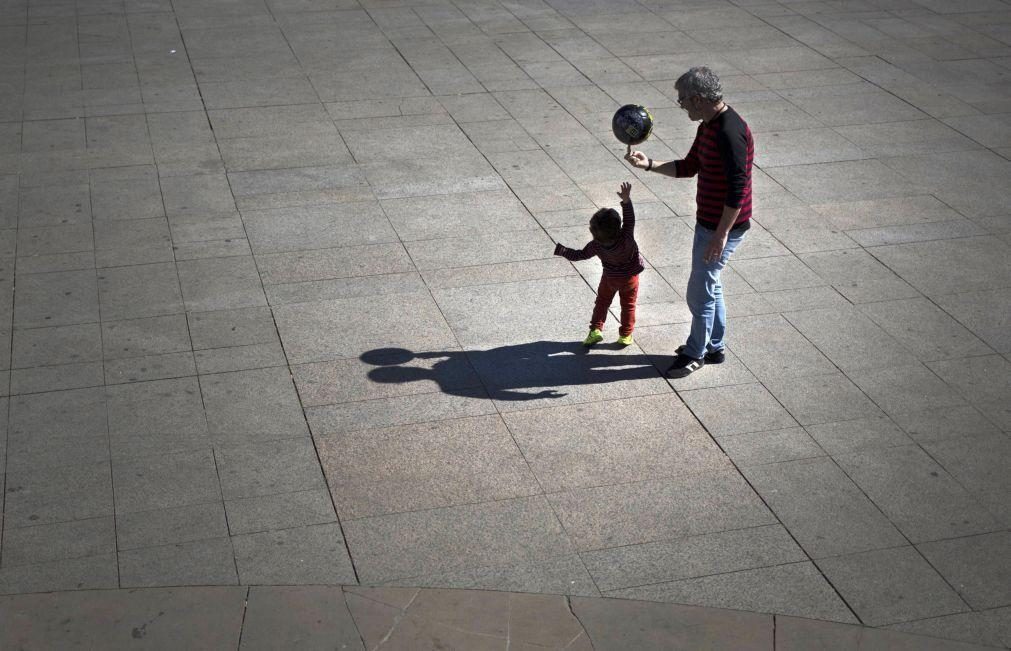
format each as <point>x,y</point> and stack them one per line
<point>593,338</point>
<point>625,340</point>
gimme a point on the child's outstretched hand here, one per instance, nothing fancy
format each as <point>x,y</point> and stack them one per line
<point>625,193</point>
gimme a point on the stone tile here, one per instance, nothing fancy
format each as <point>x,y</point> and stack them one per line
<point>313,227</point>
<point>560,575</point>
<point>220,284</point>
<point>315,554</point>
<point>796,633</point>
<point>250,406</point>
<point>226,328</point>
<point>987,314</point>
<point>341,288</point>
<point>268,468</point>
<point>203,227</point>
<point>776,273</point>
<point>239,358</point>
<point>869,237</point>
<point>377,472</point>
<point>320,331</point>
<point>859,434</point>
<point>849,339</point>
<point>916,494</point>
<point>704,555</point>
<point>473,313</point>
<point>55,542</point>
<point>477,250</point>
<point>624,514</point>
<point>79,492</point>
<point>180,479</point>
<point>466,215</point>
<point>52,299</point>
<point>891,585</point>
<point>152,367</point>
<point>49,416</point>
<point>792,589</point>
<point>281,511</point>
<point>821,398</point>
<point>170,526</point>
<point>981,265</point>
<point>329,182</point>
<point>139,291</point>
<point>130,242</point>
<point>738,409</point>
<point>201,562</point>
<point>68,202</point>
<point>412,544</point>
<point>774,115</point>
<point>191,616</point>
<point>966,181</point>
<point>163,407</point>
<point>54,378</point>
<point>845,181</point>
<point>617,623</point>
<point>984,381</point>
<point>660,342</point>
<point>991,628</point>
<point>905,137</point>
<point>822,508</point>
<point>858,276</point>
<point>49,240</point>
<point>277,616</point>
<point>938,423</point>
<point>197,194</point>
<point>758,448</point>
<point>632,439</point>
<point>901,389</point>
<point>126,193</point>
<point>771,347</point>
<point>399,410</point>
<point>147,336</point>
<point>91,573</point>
<point>804,147</point>
<point>926,330</point>
<point>975,566</point>
<point>341,262</point>
<point>59,345</point>
<point>899,211</point>
<point>420,177</point>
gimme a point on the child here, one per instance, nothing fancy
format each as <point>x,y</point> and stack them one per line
<point>614,243</point>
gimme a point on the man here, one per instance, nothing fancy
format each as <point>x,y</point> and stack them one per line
<point>721,156</point>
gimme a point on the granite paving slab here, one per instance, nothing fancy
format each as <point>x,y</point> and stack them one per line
<point>891,585</point>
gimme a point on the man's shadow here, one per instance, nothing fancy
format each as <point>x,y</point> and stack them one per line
<point>508,372</point>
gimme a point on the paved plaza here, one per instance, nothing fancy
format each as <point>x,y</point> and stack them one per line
<point>281,310</point>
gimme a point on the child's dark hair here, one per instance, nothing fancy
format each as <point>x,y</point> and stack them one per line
<point>606,224</point>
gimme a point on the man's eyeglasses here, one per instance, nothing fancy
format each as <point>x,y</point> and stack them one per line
<point>682,100</point>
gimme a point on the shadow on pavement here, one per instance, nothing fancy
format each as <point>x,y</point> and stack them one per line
<point>508,371</point>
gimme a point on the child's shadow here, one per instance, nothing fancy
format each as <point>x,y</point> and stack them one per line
<point>507,372</point>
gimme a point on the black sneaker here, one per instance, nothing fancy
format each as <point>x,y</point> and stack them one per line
<point>712,357</point>
<point>684,365</point>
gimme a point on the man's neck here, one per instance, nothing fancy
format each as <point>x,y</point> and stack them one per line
<point>712,112</point>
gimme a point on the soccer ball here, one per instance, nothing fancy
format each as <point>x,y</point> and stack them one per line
<point>632,124</point>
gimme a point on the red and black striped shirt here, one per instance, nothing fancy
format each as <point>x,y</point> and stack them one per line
<point>721,155</point>
<point>620,259</point>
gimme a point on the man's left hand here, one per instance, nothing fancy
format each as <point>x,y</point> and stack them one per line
<point>715,248</point>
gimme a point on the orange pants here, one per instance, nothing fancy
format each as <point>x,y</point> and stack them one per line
<point>627,289</point>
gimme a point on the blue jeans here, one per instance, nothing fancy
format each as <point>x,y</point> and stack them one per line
<point>705,294</point>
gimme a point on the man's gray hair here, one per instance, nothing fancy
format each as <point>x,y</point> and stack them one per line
<point>700,81</point>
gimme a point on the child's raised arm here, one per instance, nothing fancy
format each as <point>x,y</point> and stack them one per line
<point>627,213</point>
